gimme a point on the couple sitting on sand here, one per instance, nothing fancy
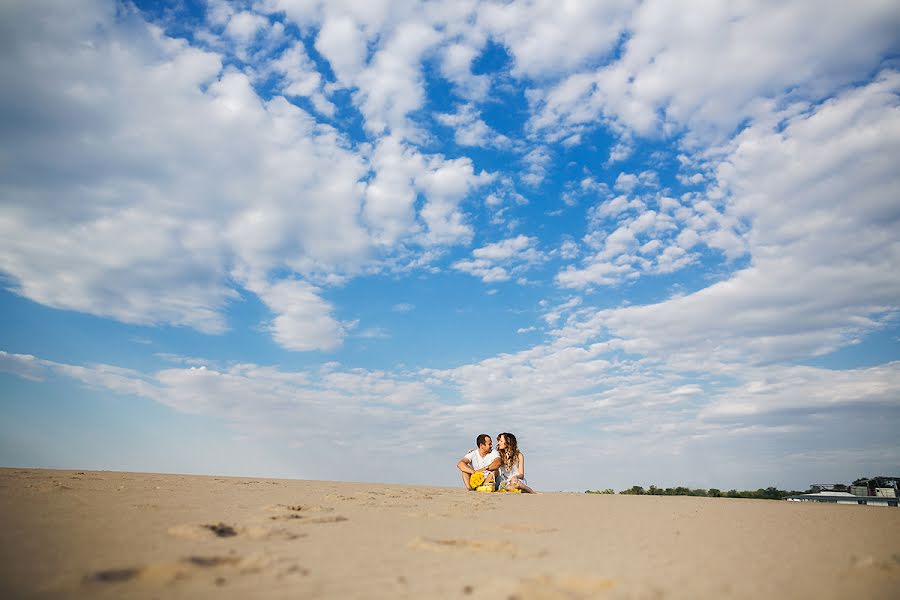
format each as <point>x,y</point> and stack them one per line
<point>503,468</point>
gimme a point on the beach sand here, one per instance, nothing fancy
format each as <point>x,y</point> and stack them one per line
<point>86,534</point>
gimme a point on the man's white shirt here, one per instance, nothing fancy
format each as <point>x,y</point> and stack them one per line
<point>479,462</point>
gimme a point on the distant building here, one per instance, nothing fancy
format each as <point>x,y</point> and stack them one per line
<point>870,485</point>
<point>827,487</point>
<point>846,498</point>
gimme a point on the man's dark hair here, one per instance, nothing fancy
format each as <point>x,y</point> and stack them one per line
<point>481,438</point>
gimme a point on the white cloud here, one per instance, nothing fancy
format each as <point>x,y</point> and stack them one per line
<point>23,365</point>
<point>149,178</point>
<point>536,162</point>
<point>391,86</point>
<point>376,50</point>
<point>218,12</point>
<point>456,66</point>
<point>568,250</point>
<point>807,389</point>
<point>282,407</point>
<point>300,77</point>
<point>445,183</point>
<point>341,41</point>
<point>482,269</point>
<point>547,388</point>
<point>244,26</point>
<point>374,333</point>
<point>630,239</point>
<point>520,247</point>
<point>617,206</point>
<point>391,195</point>
<point>403,307</point>
<point>546,38</point>
<point>814,284</point>
<point>757,50</point>
<point>303,319</point>
<point>625,182</point>
<point>552,314</point>
<point>502,200</point>
<point>401,172</point>
<point>596,273</point>
<point>622,150</point>
<point>500,261</point>
<point>471,130</point>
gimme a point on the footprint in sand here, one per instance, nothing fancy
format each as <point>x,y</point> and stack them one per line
<point>113,575</point>
<point>299,508</point>
<point>304,514</point>
<point>428,515</point>
<point>212,561</point>
<point>223,530</point>
<point>870,563</point>
<point>293,517</point>
<point>334,519</point>
<point>217,566</point>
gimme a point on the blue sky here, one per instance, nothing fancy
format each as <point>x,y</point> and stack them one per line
<point>337,240</point>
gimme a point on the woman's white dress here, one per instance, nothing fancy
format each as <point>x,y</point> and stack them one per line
<point>507,474</point>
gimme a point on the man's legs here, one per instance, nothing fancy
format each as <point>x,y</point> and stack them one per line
<point>466,477</point>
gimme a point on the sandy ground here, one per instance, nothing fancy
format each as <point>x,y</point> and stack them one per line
<point>68,534</point>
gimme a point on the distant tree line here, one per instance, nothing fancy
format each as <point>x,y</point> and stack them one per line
<point>769,493</point>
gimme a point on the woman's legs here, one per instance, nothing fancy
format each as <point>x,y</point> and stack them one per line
<point>524,487</point>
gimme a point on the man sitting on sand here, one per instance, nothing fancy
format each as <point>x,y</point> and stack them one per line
<point>481,459</point>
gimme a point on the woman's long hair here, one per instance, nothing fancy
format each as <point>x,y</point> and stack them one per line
<point>509,454</point>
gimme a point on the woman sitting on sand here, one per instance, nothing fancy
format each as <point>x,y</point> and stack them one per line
<point>512,464</point>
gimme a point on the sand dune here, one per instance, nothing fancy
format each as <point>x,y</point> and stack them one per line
<point>85,534</point>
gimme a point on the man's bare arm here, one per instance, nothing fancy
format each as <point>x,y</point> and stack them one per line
<point>465,465</point>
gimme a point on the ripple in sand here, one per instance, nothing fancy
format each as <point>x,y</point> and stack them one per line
<point>516,528</point>
<point>444,545</point>
<point>563,588</point>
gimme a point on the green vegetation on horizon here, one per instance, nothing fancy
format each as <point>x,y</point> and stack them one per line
<point>769,493</point>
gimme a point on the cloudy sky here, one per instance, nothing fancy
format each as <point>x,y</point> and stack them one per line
<point>657,240</point>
